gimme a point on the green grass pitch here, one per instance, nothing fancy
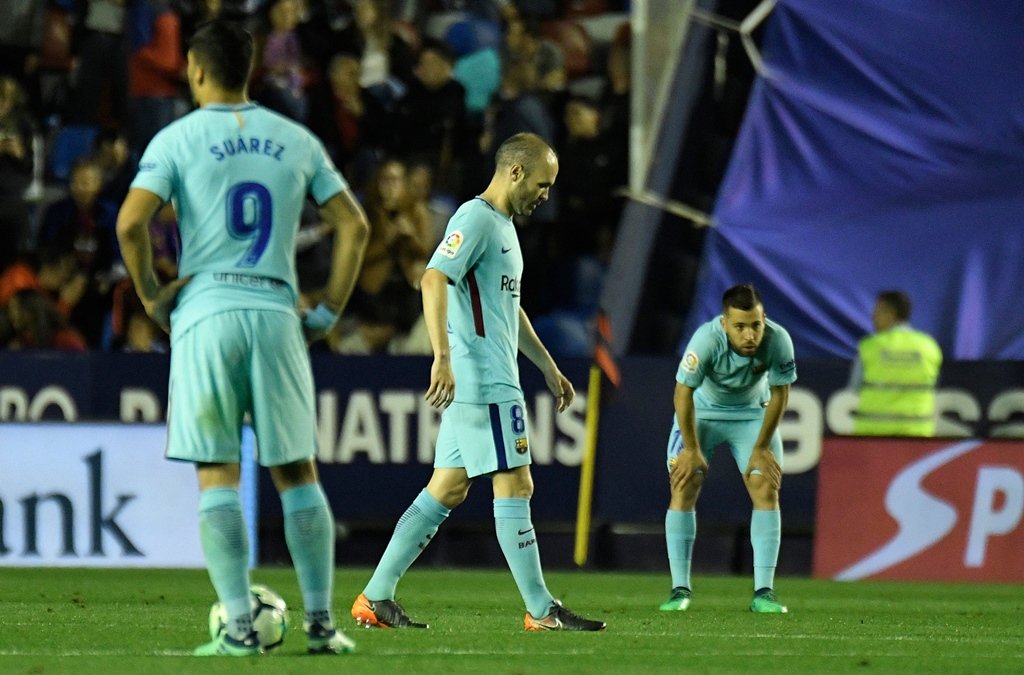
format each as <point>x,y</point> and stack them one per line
<point>146,621</point>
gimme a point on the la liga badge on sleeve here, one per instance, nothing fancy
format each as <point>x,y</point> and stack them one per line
<point>451,244</point>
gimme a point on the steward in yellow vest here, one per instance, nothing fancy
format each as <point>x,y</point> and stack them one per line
<point>897,370</point>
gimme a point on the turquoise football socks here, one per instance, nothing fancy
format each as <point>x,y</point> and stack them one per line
<point>518,540</point>
<point>226,549</point>
<point>414,530</point>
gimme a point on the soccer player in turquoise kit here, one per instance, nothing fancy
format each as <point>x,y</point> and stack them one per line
<point>238,176</point>
<point>471,305</point>
<point>731,389</point>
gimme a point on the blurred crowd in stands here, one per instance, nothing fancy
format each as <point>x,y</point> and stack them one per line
<point>410,97</point>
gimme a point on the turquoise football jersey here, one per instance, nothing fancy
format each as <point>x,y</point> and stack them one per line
<point>729,386</point>
<point>481,257</point>
<point>238,176</point>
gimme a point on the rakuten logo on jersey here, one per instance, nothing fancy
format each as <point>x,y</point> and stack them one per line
<point>920,509</point>
<point>510,284</point>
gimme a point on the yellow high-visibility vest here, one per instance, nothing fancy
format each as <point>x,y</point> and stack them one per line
<point>897,395</point>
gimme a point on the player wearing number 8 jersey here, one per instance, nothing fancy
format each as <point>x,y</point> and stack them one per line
<point>471,306</point>
<point>238,176</point>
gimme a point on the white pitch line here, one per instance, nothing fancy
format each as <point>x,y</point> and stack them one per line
<point>973,639</point>
<point>483,652</point>
<point>440,651</point>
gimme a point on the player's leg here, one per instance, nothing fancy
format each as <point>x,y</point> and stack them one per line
<point>309,534</point>
<point>518,539</point>
<point>497,436</point>
<point>204,422</point>
<point>226,550</point>
<point>285,426</point>
<point>765,518</point>
<point>681,519</point>
<point>447,488</point>
<point>376,605</point>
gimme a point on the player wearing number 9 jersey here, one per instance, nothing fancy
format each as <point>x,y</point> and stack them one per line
<point>471,307</point>
<point>238,176</point>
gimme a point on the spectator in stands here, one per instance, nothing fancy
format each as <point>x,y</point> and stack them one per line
<point>355,127</point>
<point>281,66</point>
<point>433,117</point>
<point>386,60</point>
<point>18,275</point>
<point>84,224</point>
<point>111,152</point>
<point>386,302</point>
<point>100,96</point>
<point>52,272</point>
<point>21,33</point>
<point>588,212</point>
<point>615,101</point>
<point>436,208</point>
<point>524,41</point>
<point>156,69</point>
<point>517,107</point>
<point>895,373</point>
<point>37,324</point>
<point>16,166</point>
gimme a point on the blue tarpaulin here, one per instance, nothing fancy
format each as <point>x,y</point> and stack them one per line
<point>882,148</point>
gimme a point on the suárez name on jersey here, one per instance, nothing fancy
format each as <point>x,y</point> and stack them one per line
<point>247,145</point>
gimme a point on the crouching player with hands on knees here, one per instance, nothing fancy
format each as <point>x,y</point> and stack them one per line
<point>732,386</point>
<point>238,176</point>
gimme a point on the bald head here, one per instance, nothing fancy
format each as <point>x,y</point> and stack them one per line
<point>524,149</point>
<point>525,169</point>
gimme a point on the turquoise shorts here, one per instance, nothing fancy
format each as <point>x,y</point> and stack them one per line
<point>739,435</point>
<point>238,362</point>
<point>482,438</point>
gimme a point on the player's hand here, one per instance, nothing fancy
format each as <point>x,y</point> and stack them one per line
<point>561,387</point>
<point>317,322</point>
<point>689,466</point>
<point>442,384</point>
<point>160,307</point>
<point>762,459</point>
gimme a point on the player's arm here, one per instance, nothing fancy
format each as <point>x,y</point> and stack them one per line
<point>762,458</point>
<point>138,209</point>
<point>434,288</point>
<point>342,214</point>
<point>691,463</point>
<point>534,349</point>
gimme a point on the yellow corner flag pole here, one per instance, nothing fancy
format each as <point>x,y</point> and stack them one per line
<point>586,497</point>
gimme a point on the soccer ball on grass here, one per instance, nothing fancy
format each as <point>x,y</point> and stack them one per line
<point>269,617</point>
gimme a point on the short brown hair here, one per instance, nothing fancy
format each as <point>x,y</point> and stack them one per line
<point>743,296</point>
